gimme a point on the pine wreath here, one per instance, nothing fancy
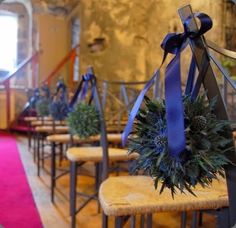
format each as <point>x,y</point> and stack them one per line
<point>208,141</point>
<point>59,110</point>
<point>84,120</point>
<point>42,106</point>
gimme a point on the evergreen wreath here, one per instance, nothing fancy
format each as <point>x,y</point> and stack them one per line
<point>84,121</point>
<point>208,141</point>
<point>59,110</point>
<point>42,107</point>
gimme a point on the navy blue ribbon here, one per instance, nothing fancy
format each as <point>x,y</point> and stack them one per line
<point>174,43</point>
<point>62,87</point>
<point>83,88</point>
<point>136,107</point>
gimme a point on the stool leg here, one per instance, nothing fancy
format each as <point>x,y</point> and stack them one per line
<point>183,219</point>
<point>200,218</point>
<point>142,221</point>
<point>132,221</point>
<point>38,153</point>
<point>194,219</point>
<point>223,219</point>
<point>104,221</point>
<point>53,171</point>
<point>97,176</point>
<point>118,222</point>
<point>61,153</point>
<point>149,220</point>
<point>34,146</point>
<point>42,151</point>
<point>29,135</point>
<point>97,181</point>
<point>73,183</point>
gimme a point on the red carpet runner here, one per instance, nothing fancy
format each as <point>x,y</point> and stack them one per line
<point>17,206</point>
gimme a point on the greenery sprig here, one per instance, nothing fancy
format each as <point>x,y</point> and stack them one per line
<point>42,106</point>
<point>59,110</point>
<point>208,141</point>
<point>84,121</point>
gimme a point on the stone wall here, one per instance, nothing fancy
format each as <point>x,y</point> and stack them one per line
<point>131,32</point>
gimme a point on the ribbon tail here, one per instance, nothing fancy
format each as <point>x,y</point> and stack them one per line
<point>174,108</point>
<point>93,85</point>
<point>84,90</point>
<point>136,107</point>
<point>76,95</point>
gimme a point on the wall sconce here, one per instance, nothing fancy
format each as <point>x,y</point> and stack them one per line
<point>98,45</point>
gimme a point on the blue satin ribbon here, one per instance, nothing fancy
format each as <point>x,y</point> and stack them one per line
<point>173,43</point>
<point>136,107</point>
<point>82,90</point>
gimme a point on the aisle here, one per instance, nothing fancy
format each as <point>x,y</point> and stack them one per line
<point>17,206</point>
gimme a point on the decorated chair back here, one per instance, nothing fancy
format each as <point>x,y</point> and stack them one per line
<point>103,140</point>
<point>202,58</point>
<point>88,84</point>
<point>174,110</point>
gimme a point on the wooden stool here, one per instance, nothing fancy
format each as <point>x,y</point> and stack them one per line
<point>41,133</point>
<point>29,120</point>
<point>40,123</point>
<point>77,155</point>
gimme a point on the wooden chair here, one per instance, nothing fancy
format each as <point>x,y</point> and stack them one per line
<point>125,197</point>
<point>29,120</point>
<point>77,155</point>
<point>41,133</point>
<point>59,139</point>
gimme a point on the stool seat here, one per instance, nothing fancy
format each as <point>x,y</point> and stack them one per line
<point>95,154</point>
<point>65,138</point>
<point>35,118</point>
<point>47,123</point>
<point>137,195</point>
<point>51,129</point>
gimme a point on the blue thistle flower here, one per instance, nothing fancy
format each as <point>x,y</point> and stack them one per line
<point>59,110</point>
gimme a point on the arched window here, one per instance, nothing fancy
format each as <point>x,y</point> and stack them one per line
<point>8,41</point>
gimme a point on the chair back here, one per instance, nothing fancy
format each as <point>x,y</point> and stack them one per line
<point>103,141</point>
<point>202,56</point>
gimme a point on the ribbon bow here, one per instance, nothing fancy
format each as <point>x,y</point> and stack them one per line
<point>82,89</point>
<point>62,87</point>
<point>173,43</point>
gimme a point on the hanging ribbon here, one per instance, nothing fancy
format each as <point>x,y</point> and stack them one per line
<point>82,90</point>
<point>173,43</point>
<point>62,86</point>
